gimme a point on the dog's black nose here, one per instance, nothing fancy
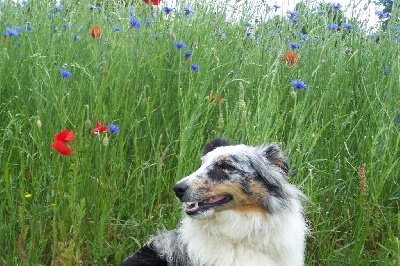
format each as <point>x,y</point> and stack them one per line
<point>180,189</point>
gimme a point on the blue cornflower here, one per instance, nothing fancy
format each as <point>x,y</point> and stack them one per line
<point>332,26</point>
<point>64,26</point>
<point>116,28</point>
<point>276,7</point>
<point>297,84</point>
<point>398,119</point>
<point>29,27</point>
<point>57,8</point>
<point>188,11</point>
<point>179,45</point>
<point>65,73</point>
<point>134,22</point>
<point>93,8</point>
<point>303,36</point>
<point>386,70</point>
<point>194,67</point>
<point>293,13</point>
<point>293,45</point>
<point>113,128</point>
<point>11,32</point>
<point>188,54</point>
<point>381,14</point>
<point>167,10</point>
<point>347,26</point>
<point>294,20</point>
<point>336,6</point>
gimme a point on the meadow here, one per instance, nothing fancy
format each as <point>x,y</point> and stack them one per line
<point>160,83</point>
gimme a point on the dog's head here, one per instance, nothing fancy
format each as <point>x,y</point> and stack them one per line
<point>236,177</point>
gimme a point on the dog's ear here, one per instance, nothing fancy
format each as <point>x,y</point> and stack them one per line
<point>213,144</point>
<point>276,156</point>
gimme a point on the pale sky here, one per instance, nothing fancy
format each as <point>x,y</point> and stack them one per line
<point>363,9</point>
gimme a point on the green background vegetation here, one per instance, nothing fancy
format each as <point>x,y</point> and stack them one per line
<point>101,203</point>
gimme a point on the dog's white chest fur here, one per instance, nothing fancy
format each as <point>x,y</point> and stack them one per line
<point>234,238</point>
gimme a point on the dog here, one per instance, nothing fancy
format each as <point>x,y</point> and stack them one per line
<point>239,210</point>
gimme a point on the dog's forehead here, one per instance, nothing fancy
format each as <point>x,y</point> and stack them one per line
<point>226,151</point>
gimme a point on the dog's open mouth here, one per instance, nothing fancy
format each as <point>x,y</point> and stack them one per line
<point>193,208</point>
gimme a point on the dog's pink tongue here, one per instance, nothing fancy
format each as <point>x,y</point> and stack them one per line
<point>215,199</point>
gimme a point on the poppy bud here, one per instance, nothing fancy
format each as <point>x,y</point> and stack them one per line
<point>105,141</point>
<point>88,124</point>
<point>39,123</point>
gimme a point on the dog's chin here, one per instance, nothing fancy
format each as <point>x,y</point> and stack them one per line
<point>206,208</point>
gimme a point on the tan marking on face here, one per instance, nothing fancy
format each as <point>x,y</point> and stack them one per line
<point>242,202</point>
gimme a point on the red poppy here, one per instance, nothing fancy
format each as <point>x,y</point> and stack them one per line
<point>290,57</point>
<point>153,2</point>
<point>99,128</point>
<point>60,139</point>
<point>96,32</point>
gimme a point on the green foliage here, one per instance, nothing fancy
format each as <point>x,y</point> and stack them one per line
<point>99,204</point>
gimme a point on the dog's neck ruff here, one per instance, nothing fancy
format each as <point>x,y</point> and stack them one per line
<point>236,238</point>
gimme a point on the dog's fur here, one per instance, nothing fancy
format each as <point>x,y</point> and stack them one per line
<point>240,210</point>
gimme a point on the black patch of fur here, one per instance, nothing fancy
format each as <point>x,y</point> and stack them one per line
<point>213,144</point>
<point>145,256</point>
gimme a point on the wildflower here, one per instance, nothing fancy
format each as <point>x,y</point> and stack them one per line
<point>290,57</point>
<point>179,45</point>
<point>292,13</point>
<point>57,8</point>
<point>297,84</point>
<point>28,195</point>
<point>113,128</point>
<point>336,6</point>
<point>303,36</point>
<point>386,70</point>
<point>294,20</point>
<point>64,26</point>
<point>134,22</point>
<point>93,8</point>
<point>29,27</point>
<point>347,26</point>
<point>116,28</point>
<point>11,32</point>
<point>100,128</point>
<point>381,14</point>
<point>153,2</point>
<point>96,32</point>
<point>60,139</point>
<point>65,73</point>
<point>332,26</point>
<point>194,67</point>
<point>293,45</point>
<point>188,54</point>
<point>167,10</point>
<point>398,119</point>
<point>276,7</point>
<point>188,11</point>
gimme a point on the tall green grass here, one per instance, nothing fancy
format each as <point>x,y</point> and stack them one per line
<point>99,204</point>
